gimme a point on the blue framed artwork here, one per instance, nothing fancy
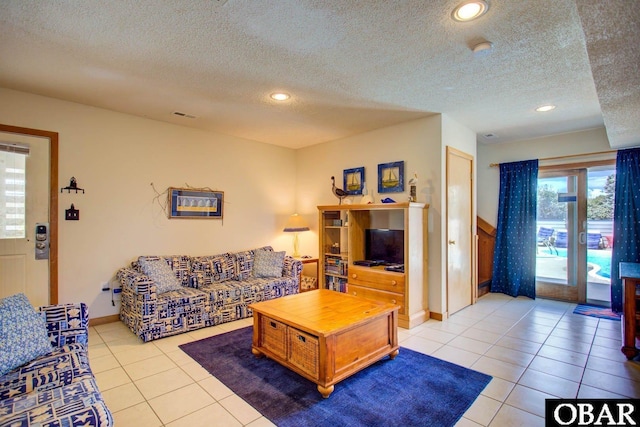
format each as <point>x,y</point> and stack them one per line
<point>354,181</point>
<point>391,177</point>
<point>194,203</point>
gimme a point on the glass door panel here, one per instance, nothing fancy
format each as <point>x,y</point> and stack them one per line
<point>561,250</point>
<point>600,191</point>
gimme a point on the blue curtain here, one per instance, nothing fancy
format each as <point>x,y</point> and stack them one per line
<point>626,219</point>
<point>514,260</point>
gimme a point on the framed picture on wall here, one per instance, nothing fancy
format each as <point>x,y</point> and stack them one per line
<point>354,181</point>
<point>194,203</point>
<point>391,177</point>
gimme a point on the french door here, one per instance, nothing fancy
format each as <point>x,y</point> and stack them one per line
<point>561,262</point>
<point>575,232</point>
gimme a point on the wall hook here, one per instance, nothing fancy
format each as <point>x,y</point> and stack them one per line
<point>73,185</point>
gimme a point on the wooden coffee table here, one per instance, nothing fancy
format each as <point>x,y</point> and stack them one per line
<point>324,335</point>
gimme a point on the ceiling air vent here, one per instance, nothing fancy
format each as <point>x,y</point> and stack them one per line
<point>490,136</point>
<point>180,114</point>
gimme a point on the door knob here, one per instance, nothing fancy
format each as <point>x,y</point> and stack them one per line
<point>452,242</point>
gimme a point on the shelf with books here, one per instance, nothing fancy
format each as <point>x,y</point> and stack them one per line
<point>334,230</point>
<point>335,283</point>
<point>336,265</point>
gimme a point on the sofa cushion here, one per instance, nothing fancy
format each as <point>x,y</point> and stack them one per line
<point>160,272</point>
<point>67,323</point>
<point>212,269</point>
<point>23,333</point>
<point>75,404</point>
<point>64,365</point>
<point>176,312</point>
<point>244,263</point>
<point>268,263</point>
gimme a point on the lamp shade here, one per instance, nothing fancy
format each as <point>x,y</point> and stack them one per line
<point>295,224</point>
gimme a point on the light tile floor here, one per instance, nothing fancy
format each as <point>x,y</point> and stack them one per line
<point>533,349</point>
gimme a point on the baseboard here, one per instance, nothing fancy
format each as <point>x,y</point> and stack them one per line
<point>436,316</point>
<point>414,320</point>
<point>102,320</point>
<point>484,288</point>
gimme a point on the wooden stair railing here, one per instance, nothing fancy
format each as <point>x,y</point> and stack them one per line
<point>486,245</point>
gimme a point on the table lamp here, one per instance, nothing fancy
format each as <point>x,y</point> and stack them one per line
<point>294,225</point>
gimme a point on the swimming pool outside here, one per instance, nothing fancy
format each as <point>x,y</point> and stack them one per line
<point>552,267</point>
<point>600,258</point>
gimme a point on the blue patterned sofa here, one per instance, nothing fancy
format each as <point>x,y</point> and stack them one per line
<point>56,388</point>
<point>169,295</point>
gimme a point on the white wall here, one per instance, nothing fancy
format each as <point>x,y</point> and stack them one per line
<point>419,143</point>
<point>416,142</point>
<point>569,144</point>
<point>117,157</point>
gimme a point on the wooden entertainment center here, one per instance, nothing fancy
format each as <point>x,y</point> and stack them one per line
<point>342,242</point>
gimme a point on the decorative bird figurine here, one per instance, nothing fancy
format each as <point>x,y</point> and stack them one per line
<point>338,192</point>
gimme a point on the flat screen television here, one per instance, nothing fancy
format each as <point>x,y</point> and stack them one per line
<point>384,245</point>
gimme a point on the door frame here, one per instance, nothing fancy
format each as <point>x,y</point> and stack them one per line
<point>53,200</point>
<point>472,235</point>
<point>582,254</point>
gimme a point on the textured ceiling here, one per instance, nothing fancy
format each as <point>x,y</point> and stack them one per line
<point>350,66</point>
<point>611,31</point>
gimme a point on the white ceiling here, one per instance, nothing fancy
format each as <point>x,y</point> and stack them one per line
<point>350,66</point>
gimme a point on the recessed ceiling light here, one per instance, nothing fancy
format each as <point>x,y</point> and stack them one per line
<point>280,96</point>
<point>470,10</point>
<point>544,108</point>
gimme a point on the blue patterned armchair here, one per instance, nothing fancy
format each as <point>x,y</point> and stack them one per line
<point>57,388</point>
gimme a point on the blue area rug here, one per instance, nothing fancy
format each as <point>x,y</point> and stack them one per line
<point>412,390</point>
<point>595,311</point>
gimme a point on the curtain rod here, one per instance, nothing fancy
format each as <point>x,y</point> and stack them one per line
<point>569,156</point>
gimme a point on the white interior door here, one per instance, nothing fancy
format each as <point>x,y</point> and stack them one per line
<point>24,202</point>
<point>460,276</point>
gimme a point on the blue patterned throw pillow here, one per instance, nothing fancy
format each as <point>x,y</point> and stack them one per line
<point>23,333</point>
<point>159,271</point>
<point>244,262</point>
<point>268,263</point>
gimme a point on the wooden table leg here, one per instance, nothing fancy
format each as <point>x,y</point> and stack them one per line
<point>325,391</point>
<point>628,323</point>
